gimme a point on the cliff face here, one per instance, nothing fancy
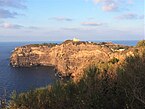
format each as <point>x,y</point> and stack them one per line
<point>69,58</point>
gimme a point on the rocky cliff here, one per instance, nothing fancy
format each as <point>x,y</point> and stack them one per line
<point>69,58</point>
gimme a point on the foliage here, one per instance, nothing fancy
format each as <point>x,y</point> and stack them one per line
<point>44,44</point>
<point>141,43</point>
<point>131,78</point>
<point>114,60</point>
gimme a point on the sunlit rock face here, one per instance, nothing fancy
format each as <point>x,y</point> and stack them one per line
<point>69,58</point>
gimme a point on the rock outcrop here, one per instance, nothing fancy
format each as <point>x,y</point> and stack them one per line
<point>69,58</point>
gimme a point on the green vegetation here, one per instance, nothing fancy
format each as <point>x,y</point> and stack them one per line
<point>114,60</point>
<point>113,85</point>
<point>141,43</point>
<point>44,44</point>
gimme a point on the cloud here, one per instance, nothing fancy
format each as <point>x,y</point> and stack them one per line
<point>130,16</point>
<point>6,4</point>
<point>7,25</point>
<point>61,19</point>
<point>91,24</point>
<point>70,29</point>
<point>7,14</point>
<point>33,27</point>
<point>107,5</point>
<point>104,1</point>
<point>12,3</point>
<point>112,5</point>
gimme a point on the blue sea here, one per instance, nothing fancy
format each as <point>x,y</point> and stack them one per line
<point>24,79</point>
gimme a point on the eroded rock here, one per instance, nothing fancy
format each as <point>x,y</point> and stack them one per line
<point>69,58</point>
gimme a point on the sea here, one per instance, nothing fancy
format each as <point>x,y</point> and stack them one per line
<point>24,79</point>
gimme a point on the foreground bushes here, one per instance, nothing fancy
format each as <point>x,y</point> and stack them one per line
<point>112,85</point>
<point>132,80</point>
<point>141,43</point>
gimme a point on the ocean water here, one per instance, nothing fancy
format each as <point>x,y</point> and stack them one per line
<point>24,79</point>
<point>21,79</point>
<point>122,42</point>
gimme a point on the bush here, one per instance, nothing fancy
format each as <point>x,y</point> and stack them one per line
<point>141,43</point>
<point>131,78</point>
<point>114,60</point>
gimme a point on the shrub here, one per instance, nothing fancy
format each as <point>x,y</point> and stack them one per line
<point>141,43</point>
<point>131,78</point>
<point>114,60</point>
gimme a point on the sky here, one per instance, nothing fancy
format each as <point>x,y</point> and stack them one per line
<point>59,20</point>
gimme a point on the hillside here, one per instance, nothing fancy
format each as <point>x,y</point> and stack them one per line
<point>69,57</point>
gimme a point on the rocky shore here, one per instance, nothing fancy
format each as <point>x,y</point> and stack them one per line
<point>69,57</point>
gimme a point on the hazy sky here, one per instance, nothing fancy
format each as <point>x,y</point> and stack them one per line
<point>57,20</point>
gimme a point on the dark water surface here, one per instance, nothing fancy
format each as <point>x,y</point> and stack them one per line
<point>23,79</point>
